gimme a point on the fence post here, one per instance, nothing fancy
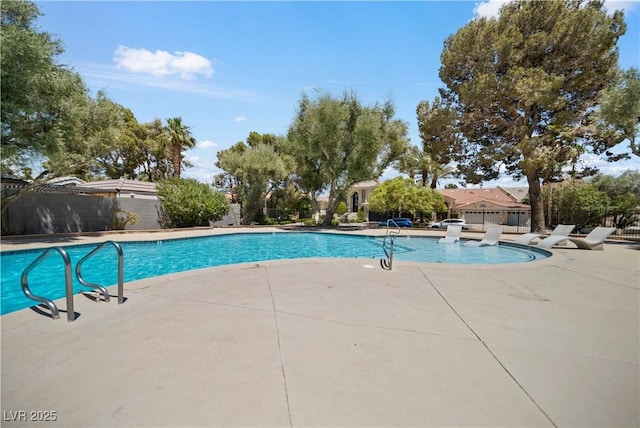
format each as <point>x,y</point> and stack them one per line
<point>518,224</point>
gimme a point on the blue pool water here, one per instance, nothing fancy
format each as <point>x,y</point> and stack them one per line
<point>154,258</point>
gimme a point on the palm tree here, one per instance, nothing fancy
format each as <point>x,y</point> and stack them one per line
<point>180,139</point>
<point>439,172</point>
<point>418,163</point>
<point>415,163</point>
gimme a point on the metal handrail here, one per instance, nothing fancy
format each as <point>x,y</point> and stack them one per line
<point>55,314</point>
<point>389,221</point>
<point>388,263</point>
<point>102,289</point>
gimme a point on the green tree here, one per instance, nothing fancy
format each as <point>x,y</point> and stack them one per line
<point>39,95</point>
<point>389,197</point>
<point>580,203</point>
<point>292,201</point>
<point>439,132</point>
<point>129,158</point>
<point>624,194</point>
<point>441,172</point>
<point>342,208</point>
<point>401,195</point>
<point>418,164</point>
<point>620,108</point>
<point>180,139</point>
<point>525,84</point>
<point>188,203</point>
<point>337,142</point>
<point>424,200</point>
<point>156,155</point>
<point>230,162</point>
<point>409,162</point>
<point>262,170</point>
<point>252,171</point>
<point>91,144</point>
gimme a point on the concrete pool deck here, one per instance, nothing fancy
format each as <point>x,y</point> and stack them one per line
<point>338,342</point>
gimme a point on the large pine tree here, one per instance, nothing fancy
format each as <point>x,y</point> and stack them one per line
<point>525,85</point>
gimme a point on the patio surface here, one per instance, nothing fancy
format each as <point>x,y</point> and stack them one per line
<point>336,343</point>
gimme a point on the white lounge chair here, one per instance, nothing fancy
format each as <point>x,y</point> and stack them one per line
<point>452,235</point>
<point>560,230</point>
<point>593,241</point>
<point>491,237</point>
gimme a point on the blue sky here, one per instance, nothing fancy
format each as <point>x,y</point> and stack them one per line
<point>229,68</point>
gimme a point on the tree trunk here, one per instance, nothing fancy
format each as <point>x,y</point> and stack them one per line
<point>331,209</point>
<point>252,204</point>
<point>177,160</point>
<point>537,207</point>
<point>335,195</point>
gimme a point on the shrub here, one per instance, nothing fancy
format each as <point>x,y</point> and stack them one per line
<point>122,219</point>
<point>188,203</point>
<point>342,208</point>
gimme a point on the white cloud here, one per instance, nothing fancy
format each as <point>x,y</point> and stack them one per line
<point>100,75</point>
<point>488,9</point>
<point>206,144</point>
<point>162,63</point>
<point>491,8</point>
<point>239,119</point>
<point>609,168</point>
<point>202,170</point>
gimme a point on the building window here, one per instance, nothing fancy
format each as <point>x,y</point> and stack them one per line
<point>354,202</point>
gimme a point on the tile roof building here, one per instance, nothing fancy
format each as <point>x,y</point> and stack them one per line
<point>499,205</point>
<point>68,204</point>
<point>124,188</point>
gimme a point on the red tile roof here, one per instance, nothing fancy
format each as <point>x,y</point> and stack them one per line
<point>498,196</point>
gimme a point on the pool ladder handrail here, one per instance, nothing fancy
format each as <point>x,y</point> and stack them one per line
<point>24,280</point>
<point>100,288</point>
<point>55,313</point>
<point>387,263</point>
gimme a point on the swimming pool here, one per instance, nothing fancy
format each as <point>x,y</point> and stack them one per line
<point>144,259</point>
